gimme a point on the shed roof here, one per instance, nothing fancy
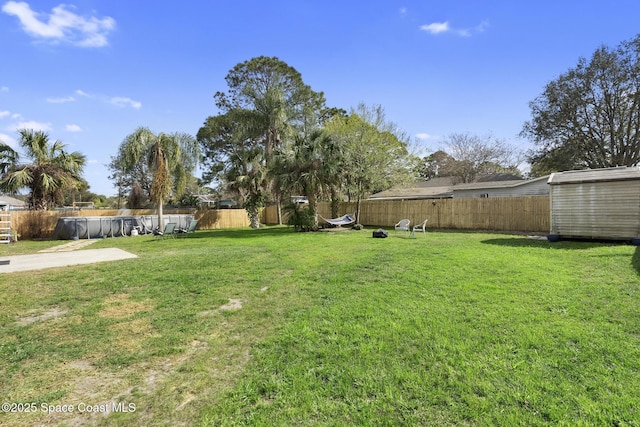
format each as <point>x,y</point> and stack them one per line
<point>622,173</point>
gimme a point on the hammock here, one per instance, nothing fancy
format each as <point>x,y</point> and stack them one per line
<point>343,220</point>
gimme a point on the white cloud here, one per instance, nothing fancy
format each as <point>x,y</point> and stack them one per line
<point>125,102</point>
<point>423,136</point>
<point>482,27</point>
<point>45,127</point>
<point>403,11</point>
<point>20,123</point>
<point>62,24</point>
<point>61,100</point>
<point>73,128</point>
<point>436,27</point>
<point>118,101</point>
<point>93,162</point>
<point>9,140</point>
<point>4,89</point>
<point>444,27</point>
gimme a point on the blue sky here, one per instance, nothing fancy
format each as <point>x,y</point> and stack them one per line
<point>89,72</point>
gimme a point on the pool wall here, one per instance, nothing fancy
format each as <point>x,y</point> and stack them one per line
<point>95,227</point>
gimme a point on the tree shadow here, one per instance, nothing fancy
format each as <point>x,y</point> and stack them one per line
<point>635,260</point>
<point>240,233</point>
<point>527,242</point>
<point>538,242</point>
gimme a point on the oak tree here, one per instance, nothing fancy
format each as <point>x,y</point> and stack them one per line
<point>589,117</point>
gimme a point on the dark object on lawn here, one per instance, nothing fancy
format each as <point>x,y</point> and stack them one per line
<point>357,227</point>
<point>553,238</point>
<point>380,233</point>
<point>5,261</point>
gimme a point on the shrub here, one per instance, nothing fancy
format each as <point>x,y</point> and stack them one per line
<point>300,217</point>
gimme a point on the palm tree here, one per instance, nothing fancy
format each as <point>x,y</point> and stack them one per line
<point>52,170</point>
<point>170,158</point>
<point>246,176</point>
<point>281,101</point>
<point>8,158</point>
<point>235,153</point>
<point>313,167</point>
<point>273,115</point>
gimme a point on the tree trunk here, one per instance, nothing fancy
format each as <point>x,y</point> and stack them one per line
<point>254,217</point>
<point>279,209</point>
<point>160,217</point>
<point>313,205</point>
<point>335,203</point>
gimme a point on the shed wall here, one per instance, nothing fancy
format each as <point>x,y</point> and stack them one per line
<point>597,210</point>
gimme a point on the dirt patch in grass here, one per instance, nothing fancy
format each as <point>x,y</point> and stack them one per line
<point>81,365</point>
<point>233,304</point>
<point>99,387</point>
<point>167,366</point>
<point>131,335</point>
<point>119,306</point>
<point>37,315</point>
<point>93,384</point>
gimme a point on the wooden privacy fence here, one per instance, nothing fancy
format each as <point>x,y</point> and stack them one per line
<point>222,218</point>
<point>524,214</point>
<point>40,224</point>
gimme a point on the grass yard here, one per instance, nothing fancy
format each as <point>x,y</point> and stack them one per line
<point>271,327</point>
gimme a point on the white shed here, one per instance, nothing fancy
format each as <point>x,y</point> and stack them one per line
<point>596,204</point>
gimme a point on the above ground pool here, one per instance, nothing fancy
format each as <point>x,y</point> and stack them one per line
<point>96,227</point>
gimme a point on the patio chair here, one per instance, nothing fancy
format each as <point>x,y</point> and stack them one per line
<point>403,225</point>
<point>420,227</point>
<point>169,230</point>
<point>185,231</point>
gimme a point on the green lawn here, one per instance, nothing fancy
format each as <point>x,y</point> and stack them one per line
<point>271,327</point>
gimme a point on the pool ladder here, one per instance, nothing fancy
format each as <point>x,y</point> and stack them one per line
<point>5,226</point>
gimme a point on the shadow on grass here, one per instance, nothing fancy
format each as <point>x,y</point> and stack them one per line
<point>525,242</point>
<point>269,231</point>
<point>240,233</point>
<point>635,260</point>
<point>528,242</point>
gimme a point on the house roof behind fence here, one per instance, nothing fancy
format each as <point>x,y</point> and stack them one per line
<point>500,177</point>
<point>205,198</point>
<point>435,188</point>
<point>12,201</point>
<point>498,184</point>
